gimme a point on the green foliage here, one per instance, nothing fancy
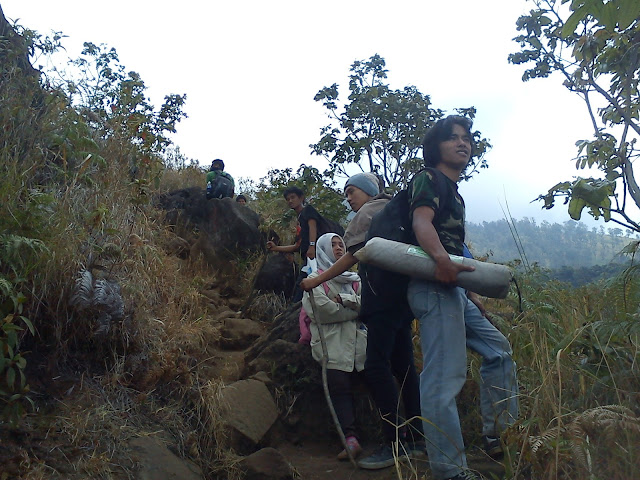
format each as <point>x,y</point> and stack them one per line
<point>594,45</point>
<point>18,255</point>
<point>380,129</point>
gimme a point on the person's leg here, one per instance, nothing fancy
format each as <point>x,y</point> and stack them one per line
<point>442,336</point>
<point>499,387</point>
<point>404,369</point>
<point>339,384</point>
<point>378,373</point>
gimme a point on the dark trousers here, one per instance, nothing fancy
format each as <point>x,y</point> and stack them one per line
<point>341,393</point>
<point>390,358</point>
<point>297,291</point>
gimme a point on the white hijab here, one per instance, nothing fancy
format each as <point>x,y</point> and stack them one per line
<point>325,258</point>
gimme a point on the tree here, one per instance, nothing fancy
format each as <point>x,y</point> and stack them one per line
<point>594,45</point>
<point>319,187</point>
<point>381,129</point>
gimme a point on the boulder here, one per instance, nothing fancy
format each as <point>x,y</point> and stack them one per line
<point>239,333</point>
<point>249,412</point>
<point>217,229</point>
<point>277,275</point>
<point>266,464</point>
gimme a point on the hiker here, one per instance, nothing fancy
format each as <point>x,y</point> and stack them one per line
<point>448,318</point>
<point>241,199</point>
<point>389,338</point>
<point>337,304</point>
<point>307,232</point>
<point>219,183</point>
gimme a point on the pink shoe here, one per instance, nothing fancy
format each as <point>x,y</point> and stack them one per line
<point>353,446</point>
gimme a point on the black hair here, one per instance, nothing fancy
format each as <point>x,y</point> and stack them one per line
<point>440,132</point>
<point>241,197</point>
<point>288,191</point>
<point>217,160</point>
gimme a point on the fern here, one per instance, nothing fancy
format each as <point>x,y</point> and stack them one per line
<point>15,250</point>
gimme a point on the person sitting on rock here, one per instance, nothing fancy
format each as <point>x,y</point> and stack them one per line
<point>219,183</point>
<point>337,303</point>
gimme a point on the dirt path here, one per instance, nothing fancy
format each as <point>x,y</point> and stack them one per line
<point>317,461</point>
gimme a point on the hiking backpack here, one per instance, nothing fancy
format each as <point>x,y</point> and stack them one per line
<point>220,187</point>
<point>393,222</point>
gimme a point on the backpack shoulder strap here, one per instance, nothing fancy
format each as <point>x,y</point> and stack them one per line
<point>324,284</point>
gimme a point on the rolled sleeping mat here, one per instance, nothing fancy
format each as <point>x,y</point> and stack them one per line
<point>488,279</point>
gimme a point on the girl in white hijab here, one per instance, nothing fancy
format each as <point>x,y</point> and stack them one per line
<point>337,305</point>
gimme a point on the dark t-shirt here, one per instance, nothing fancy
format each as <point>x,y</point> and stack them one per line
<point>307,213</point>
<point>449,220</point>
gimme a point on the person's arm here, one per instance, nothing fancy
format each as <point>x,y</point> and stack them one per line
<point>349,300</point>
<point>272,247</point>
<point>313,237</point>
<point>343,264</point>
<point>427,236</point>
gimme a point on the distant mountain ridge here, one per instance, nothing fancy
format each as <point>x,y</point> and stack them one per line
<point>550,245</point>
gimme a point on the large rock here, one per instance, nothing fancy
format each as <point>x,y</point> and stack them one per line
<point>266,464</point>
<point>249,412</point>
<point>218,229</point>
<point>277,275</point>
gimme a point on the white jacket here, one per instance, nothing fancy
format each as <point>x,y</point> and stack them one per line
<point>345,335</point>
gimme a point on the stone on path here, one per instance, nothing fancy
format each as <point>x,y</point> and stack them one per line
<point>157,462</point>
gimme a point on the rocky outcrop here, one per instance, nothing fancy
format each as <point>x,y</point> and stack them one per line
<point>218,229</point>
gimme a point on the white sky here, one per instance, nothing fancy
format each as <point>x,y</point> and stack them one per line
<point>251,68</point>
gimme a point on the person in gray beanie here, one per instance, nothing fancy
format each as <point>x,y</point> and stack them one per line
<point>389,338</point>
<point>367,182</point>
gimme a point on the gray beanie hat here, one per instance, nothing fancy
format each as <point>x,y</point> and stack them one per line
<point>367,182</point>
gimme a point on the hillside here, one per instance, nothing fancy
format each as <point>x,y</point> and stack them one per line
<point>147,334</point>
<point>550,245</point>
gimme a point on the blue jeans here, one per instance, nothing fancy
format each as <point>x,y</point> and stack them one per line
<point>450,322</point>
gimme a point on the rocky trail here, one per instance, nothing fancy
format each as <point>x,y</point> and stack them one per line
<point>234,396</point>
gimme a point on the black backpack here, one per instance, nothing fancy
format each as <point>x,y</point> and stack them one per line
<point>382,287</point>
<point>221,187</point>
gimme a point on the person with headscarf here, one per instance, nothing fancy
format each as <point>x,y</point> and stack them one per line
<point>337,303</point>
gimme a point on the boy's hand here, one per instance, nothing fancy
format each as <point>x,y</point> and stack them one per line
<point>270,245</point>
<point>311,253</point>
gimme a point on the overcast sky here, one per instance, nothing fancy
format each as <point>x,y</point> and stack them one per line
<point>250,70</point>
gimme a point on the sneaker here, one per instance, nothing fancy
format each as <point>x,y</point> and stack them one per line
<point>416,449</point>
<point>381,458</point>
<point>353,446</point>
<point>492,446</point>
